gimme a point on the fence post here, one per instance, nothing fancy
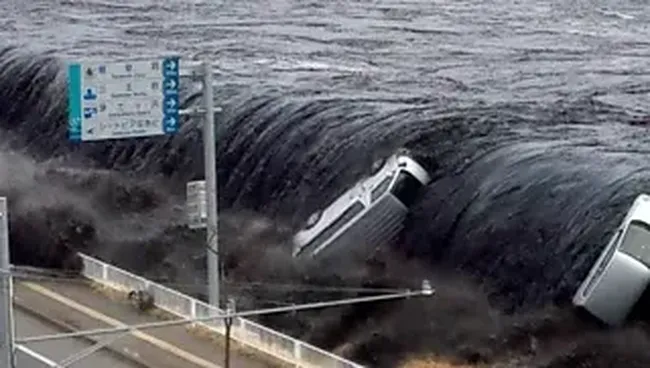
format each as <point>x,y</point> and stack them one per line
<point>297,352</point>
<point>193,311</point>
<point>243,326</point>
<point>104,271</point>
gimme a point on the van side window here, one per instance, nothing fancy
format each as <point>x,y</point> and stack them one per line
<point>381,188</point>
<point>336,225</point>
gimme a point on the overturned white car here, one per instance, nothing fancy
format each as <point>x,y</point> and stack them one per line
<point>621,274</point>
<point>369,214</point>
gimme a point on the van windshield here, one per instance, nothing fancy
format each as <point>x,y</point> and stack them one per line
<point>406,188</point>
<point>636,242</point>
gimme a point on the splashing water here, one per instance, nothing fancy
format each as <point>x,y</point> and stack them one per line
<point>523,197</point>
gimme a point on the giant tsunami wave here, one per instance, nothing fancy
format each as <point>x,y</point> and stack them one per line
<point>523,198</point>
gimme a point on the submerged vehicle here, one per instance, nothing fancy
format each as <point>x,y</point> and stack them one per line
<point>369,214</point>
<point>620,276</point>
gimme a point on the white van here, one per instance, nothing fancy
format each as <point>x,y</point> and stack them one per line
<point>369,214</point>
<point>622,272</point>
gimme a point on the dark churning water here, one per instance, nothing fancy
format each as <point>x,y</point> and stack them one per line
<point>532,117</point>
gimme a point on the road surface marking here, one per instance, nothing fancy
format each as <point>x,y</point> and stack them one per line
<point>115,323</point>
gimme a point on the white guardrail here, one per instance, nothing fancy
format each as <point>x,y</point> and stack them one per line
<point>278,345</point>
<point>26,358</point>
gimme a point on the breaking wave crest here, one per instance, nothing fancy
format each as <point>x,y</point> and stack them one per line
<point>522,201</point>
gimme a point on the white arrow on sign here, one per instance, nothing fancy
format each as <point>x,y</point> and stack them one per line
<point>171,84</point>
<point>171,65</point>
<point>171,103</point>
<point>171,121</point>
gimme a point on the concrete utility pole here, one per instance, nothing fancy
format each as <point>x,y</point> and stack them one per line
<point>210,157</point>
<point>6,315</point>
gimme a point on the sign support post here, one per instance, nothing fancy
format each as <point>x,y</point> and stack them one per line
<point>209,150</point>
<point>134,99</point>
<point>6,305</point>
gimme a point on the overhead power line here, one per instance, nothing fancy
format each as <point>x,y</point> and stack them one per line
<point>425,291</point>
<point>35,275</point>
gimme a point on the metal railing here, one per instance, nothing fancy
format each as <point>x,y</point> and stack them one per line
<point>248,333</point>
<point>27,358</point>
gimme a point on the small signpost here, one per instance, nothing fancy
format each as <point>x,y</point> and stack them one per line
<point>196,206</point>
<point>123,99</point>
<point>230,309</point>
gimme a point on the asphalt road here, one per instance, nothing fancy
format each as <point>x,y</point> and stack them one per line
<point>50,307</point>
<point>57,350</point>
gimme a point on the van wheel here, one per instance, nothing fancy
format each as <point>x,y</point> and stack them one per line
<point>313,219</point>
<point>377,165</point>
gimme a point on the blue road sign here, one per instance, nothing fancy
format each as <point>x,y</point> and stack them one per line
<point>170,77</point>
<point>123,100</point>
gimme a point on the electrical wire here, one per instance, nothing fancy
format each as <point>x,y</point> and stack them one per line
<point>299,287</point>
<point>34,275</point>
<point>316,288</point>
<point>83,280</point>
<point>307,287</point>
<point>424,292</point>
